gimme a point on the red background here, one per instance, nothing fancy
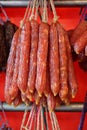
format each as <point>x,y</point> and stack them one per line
<point>69,18</point>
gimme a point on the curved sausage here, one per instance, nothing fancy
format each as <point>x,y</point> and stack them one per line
<point>80,43</point>
<point>33,55</point>
<point>71,72</point>
<point>13,91</point>
<point>42,57</point>
<point>54,60</point>
<point>10,66</point>
<point>24,57</point>
<point>63,60</point>
<point>78,31</point>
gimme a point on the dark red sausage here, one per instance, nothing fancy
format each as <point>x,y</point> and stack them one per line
<point>33,55</point>
<point>42,57</point>
<point>13,91</point>
<point>24,57</point>
<point>78,31</point>
<point>71,72</point>
<point>80,43</point>
<point>63,64</point>
<point>54,60</point>
<point>10,66</point>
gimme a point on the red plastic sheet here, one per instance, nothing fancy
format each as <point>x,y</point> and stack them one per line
<point>69,18</point>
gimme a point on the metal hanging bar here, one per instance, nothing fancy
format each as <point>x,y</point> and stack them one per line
<point>73,107</point>
<point>24,3</point>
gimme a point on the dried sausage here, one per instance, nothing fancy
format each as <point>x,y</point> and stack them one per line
<point>78,31</point>
<point>24,57</point>
<point>63,64</point>
<point>33,55</point>
<point>71,72</point>
<point>13,91</point>
<point>80,43</point>
<point>10,66</point>
<point>42,57</point>
<point>54,60</point>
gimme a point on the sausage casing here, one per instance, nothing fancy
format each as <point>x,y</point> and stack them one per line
<point>42,57</point>
<point>24,57</point>
<point>54,60</point>
<point>33,55</point>
<point>13,91</point>
<point>10,66</point>
<point>80,43</point>
<point>63,64</point>
<point>71,72</point>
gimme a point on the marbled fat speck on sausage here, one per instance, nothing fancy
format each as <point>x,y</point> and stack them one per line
<point>42,57</point>
<point>13,91</point>
<point>10,66</point>
<point>63,64</point>
<point>33,55</point>
<point>71,72</point>
<point>24,57</point>
<point>54,60</point>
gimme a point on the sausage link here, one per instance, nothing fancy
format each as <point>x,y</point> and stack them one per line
<point>10,66</point>
<point>13,91</point>
<point>63,64</point>
<point>33,55</point>
<point>24,57</point>
<point>71,72</point>
<point>80,43</point>
<point>42,57</point>
<point>78,31</point>
<point>54,60</point>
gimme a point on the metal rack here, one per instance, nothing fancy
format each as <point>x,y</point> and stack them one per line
<point>73,107</point>
<point>24,3</point>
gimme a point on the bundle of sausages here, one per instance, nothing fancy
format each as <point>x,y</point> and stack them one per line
<point>78,40</point>
<point>40,67</point>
